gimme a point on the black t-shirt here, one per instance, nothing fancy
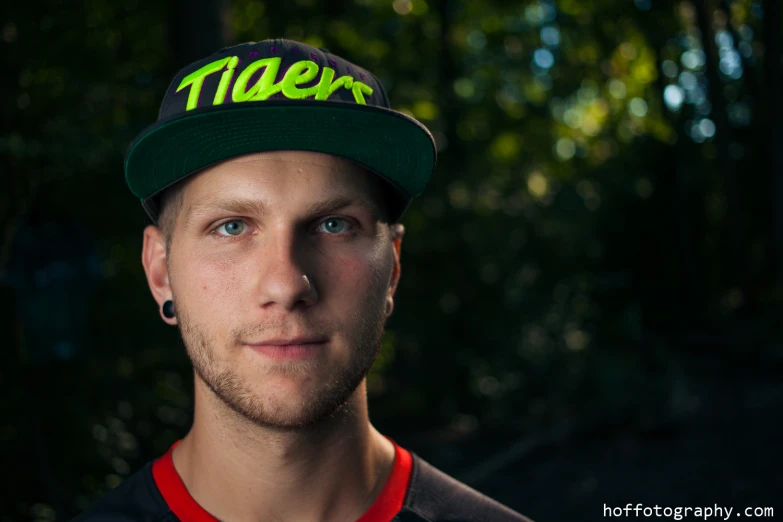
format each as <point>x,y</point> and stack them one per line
<point>415,492</point>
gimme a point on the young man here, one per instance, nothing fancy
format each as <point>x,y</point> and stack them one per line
<point>277,175</point>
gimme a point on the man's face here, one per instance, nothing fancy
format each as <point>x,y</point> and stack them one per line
<point>253,258</point>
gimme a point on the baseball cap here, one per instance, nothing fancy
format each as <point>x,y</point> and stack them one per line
<point>278,95</point>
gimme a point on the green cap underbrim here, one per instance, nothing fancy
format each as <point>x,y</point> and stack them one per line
<point>389,143</point>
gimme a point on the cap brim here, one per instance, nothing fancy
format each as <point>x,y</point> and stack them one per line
<point>389,143</point>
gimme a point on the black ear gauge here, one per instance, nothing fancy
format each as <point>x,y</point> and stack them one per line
<point>168,309</point>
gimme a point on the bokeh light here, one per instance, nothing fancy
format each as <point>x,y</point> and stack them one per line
<point>543,58</point>
<point>673,96</point>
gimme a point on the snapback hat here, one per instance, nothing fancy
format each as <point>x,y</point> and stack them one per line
<point>278,95</point>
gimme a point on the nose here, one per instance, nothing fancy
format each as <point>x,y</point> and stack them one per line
<point>282,276</point>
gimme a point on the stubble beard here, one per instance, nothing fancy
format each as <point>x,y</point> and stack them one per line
<point>326,399</point>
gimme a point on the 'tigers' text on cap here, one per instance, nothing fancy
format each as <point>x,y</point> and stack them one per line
<point>303,71</point>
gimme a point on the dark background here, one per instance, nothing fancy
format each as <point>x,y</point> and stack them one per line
<point>591,298</point>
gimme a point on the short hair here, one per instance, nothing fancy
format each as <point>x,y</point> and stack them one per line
<point>169,204</point>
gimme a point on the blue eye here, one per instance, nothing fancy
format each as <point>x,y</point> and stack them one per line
<point>232,228</point>
<point>330,225</point>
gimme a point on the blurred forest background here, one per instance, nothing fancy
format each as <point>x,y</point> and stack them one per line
<point>592,294</point>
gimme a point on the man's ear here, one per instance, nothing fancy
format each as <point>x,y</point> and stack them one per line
<point>153,257</point>
<point>397,231</point>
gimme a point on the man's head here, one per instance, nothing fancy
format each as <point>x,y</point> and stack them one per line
<point>276,174</point>
<point>278,245</point>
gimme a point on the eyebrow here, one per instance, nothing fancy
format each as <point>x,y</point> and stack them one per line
<point>255,207</point>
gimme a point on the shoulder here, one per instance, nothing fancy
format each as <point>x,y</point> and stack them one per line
<point>136,499</point>
<point>434,496</point>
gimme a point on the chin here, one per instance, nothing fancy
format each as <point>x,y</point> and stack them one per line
<point>278,408</point>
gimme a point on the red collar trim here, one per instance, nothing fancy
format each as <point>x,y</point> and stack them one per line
<point>176,495</point>
<point>392,496</point>
<point>174,491</point>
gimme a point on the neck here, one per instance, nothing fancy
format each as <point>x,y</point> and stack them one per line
<point>237,470</point>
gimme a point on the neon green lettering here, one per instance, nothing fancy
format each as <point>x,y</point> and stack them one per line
<point>225,80</point>
<point>327,87</point>
<point>323,86</point>
<point>265,85</point>
<point>342,81</point>
<point>359,89</point>
<point>196,81</point>
<point>300,72</point>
